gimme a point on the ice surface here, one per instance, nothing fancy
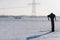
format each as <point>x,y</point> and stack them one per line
<point>21,29</point>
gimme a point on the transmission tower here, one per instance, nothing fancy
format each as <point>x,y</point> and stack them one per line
<point>33,7</point>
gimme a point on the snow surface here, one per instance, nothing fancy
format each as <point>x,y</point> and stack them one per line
<point>28,29</point>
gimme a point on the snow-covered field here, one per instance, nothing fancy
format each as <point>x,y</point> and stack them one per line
<point>28,29</point>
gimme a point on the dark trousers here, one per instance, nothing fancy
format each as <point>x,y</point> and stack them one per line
<point>52,26</point>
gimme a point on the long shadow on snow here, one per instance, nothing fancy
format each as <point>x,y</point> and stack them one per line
<point>36,36</point>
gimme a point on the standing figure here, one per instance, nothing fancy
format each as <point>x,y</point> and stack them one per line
<point>52,17</point>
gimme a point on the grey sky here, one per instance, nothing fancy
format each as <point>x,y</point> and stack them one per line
<point>12,3</point>
<point>45,7</point>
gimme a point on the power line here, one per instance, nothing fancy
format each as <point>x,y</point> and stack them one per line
<point>12,7</point>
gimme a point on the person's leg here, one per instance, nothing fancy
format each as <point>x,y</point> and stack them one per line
<point>52,23</point>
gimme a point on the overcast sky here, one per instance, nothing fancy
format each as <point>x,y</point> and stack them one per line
<point>22,7</point>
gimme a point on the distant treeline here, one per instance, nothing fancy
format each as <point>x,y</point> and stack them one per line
<point>18,17</point>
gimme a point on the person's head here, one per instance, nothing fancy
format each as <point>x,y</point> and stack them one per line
<point>51,13</point>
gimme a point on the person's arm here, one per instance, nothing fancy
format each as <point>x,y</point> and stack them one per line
<point>55,18</point>
<point>48,17</point>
